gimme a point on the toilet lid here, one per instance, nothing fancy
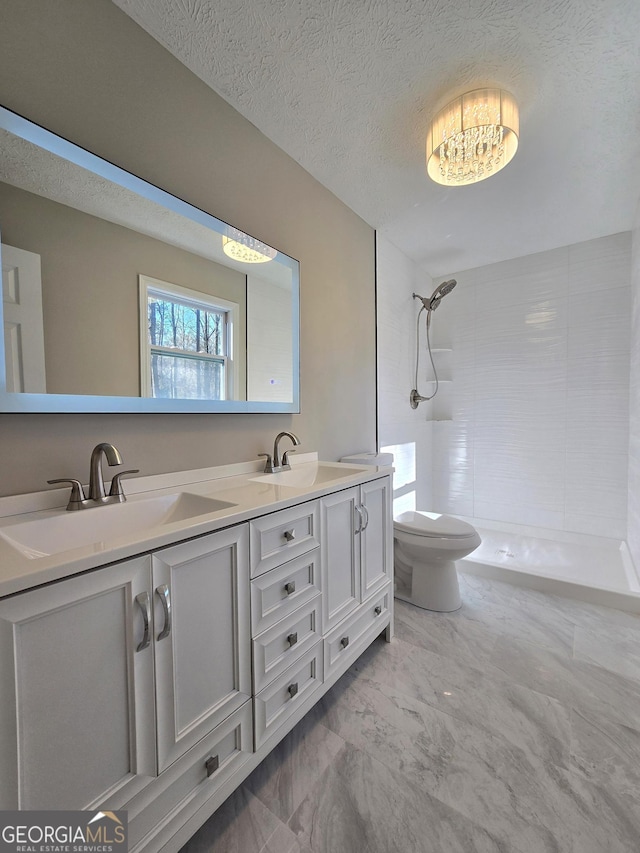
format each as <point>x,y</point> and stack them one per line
<point>432,524</point>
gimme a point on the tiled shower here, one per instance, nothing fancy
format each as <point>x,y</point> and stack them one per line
<point>531,423</point>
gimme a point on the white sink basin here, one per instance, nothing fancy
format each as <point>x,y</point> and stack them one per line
<point>308,474</point>
<point>62,531</point>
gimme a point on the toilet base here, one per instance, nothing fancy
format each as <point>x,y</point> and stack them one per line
<point>434,587</point>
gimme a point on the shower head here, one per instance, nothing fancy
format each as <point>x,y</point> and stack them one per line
<point>440,291</point>
<point>434,300</point>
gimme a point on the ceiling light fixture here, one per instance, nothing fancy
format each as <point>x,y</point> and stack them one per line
<point>241,247</point>
<point>473,137</point>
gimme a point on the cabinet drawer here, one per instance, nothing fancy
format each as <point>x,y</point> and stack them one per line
<point>195,776</point>
<point>282,644</point>
<point>282,536</point>
<point>281,698</point>
<point>279,592</point>
<point>346,641</point>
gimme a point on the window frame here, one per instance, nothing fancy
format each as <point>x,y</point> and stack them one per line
<point>148,285</point>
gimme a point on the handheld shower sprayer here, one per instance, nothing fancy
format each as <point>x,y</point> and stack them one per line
<point>429,304</point>
<point>432,302</point>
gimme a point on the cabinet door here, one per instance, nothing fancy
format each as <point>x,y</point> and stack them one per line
<point>376,540</point>
<point>76,697</point>
<point>340,556</point>
<point>202,630</point>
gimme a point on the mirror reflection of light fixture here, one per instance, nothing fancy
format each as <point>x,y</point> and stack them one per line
<point>473,137</point>
<point>241,247</point>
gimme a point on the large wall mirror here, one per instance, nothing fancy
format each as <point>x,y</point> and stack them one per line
<point>119,297</point>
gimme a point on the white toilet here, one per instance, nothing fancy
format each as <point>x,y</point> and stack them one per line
<point>426,546</point>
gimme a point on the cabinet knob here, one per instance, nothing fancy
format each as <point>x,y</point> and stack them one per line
<point>377,610</point>
<point>211,765</point>
<point>289,535</point>
<point>290,587</point>
<point>292,639</point>
<point>293,689</point>
<point>344,642</point>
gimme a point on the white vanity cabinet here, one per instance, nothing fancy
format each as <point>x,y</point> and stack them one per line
<point>76,697</point>
<point>202,654</point>
<point>131,665</point>
<point>357,560</point>
<point>202,637</point>
<point>357,544</point>
<point>287,621</point>
<point>156,684</point>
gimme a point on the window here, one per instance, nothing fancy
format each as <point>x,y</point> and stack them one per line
<point>186,342</point>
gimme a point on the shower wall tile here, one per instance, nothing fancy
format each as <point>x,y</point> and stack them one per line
<point>526,476</point>
<point>607,336</point>
<point>539,398</point>
<point>597,485</point>
<point>596,525</point>
<point>533,321</point>
<point>452,467</point>
<point>600,264</point>
<point>522,419</point>
<point>548,282</point>
<point>594,437</point>
<point>551,372</point>
<point>528,265</point>
<point>600,325</point>
<point>597,395</point>
<point>515,513</point>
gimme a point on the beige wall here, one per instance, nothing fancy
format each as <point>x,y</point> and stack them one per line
<point>85,71</point>
<point>90,300</point>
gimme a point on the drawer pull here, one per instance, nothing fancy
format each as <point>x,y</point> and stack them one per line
<point>293,689</point>
<point>289,535</point>
<point>344,642</point>
<point>292,639</point>
<point>378,609</point>
<point>212,765</point>
<point>290,587</point>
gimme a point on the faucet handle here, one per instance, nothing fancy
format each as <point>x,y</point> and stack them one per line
<point>116,485</point>
<point>268,467</point>
<point>77,492</point>
<point>285,456</point>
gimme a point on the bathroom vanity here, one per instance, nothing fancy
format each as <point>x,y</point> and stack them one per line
<point>154,652</point>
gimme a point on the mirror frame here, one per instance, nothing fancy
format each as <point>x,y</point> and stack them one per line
<point>41,403</point>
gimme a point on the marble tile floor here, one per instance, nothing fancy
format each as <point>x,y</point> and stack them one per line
<point>512,725</point>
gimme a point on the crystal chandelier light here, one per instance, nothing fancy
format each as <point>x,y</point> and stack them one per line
<point>473,137</point>
<point>241,247</point>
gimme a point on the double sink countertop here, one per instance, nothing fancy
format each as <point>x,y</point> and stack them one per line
<point>41,542</point>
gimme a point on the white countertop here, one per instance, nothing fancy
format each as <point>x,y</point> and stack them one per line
<point>241,485</point>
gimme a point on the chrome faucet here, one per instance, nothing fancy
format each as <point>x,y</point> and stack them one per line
<point>97,495</point>
<point>273,464</point>
<point>96,480</point>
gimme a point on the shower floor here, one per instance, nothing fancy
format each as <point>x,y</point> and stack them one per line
<point>589,568</point>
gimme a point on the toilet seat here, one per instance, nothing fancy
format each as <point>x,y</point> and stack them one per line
<point>433,524</point>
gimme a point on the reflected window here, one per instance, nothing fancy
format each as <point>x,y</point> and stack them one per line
<point>187,347</point>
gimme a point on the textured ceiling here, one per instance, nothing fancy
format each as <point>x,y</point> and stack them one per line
<point>347,88</point>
